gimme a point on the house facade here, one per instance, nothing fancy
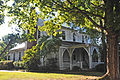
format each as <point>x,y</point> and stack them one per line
<point>17,52</point>
<point>75,50</point>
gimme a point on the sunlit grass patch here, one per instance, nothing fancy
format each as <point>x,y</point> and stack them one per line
<point>42,76</point>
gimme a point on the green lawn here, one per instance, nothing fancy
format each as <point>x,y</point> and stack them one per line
<point>44,76</point>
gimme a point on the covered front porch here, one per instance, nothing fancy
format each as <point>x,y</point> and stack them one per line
<point>75,56</point>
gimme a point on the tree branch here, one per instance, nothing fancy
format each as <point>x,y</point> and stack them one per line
<point>92,14</point>
<point>99,26</point>
<point>88,17</point>
<point>86,11</point>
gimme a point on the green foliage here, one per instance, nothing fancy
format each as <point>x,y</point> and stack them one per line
<point>2,46</point>
<point>51,66</point>
<point>31,59</point>
<point>6,65</point>
<point>59,12</point>
<point>49,45</point>
<point>2,7</point>
<point>8,42</point>
<point>94,35</point>
<point>44,47</point>
<point>18,64</point>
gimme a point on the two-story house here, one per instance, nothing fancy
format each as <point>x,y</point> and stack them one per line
<point>75,50</point>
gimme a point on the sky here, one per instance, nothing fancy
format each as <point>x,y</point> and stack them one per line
<point>4,29</point>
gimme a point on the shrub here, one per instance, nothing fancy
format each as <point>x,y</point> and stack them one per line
<point>6,65</point>
<point>31,59</point>
<point>18,64</point>
<point>75,68</point>
<point>52,64</point>
<point>100,68</point>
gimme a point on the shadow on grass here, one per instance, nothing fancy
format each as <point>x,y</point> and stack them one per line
<point>85,73</point>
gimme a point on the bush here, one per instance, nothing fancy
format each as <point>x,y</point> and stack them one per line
<point>52,64</point>
<point>18,64</point>
<point>100,68</point>
<point>76,68</point>
<point>6,65</point>
<point>31,59</point>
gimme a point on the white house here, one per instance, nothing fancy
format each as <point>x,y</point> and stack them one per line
<point>17,52</point>
<point>75,50</point>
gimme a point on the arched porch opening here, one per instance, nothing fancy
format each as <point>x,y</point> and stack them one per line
<point>66,59</point>
<point>80,58</point>
<point>95,56</point>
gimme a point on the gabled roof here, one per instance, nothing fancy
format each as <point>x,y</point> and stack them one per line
<point>19,46</point>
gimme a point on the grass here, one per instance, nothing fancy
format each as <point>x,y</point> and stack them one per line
<point>46,76</point>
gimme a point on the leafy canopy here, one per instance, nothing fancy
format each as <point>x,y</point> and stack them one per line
<point>83,13</point>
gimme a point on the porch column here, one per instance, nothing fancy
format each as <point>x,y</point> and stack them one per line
<point>99,60</point>
<point>70,53</point>
<point>42,61</point>
<point>7,57</point>
<point>90,62</point>
<point>71,62</point>
<point>90,58</point>
<point>60,59</point>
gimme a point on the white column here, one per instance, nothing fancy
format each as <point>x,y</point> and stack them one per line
<point>7,57</point>
<point>81,64</point>
<point>42,61</point>
<point>70,53</point>
<point>70,61</point>
<point>60,59</point>
<point>90,58</point>
<point>99,60</point>
<point>90,62</point>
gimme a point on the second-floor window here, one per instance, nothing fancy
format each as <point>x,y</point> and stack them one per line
<point>82,39</point>
<point>73,36</point>
<point>63,35</point>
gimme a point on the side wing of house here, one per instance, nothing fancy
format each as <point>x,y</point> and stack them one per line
<point>16,53</point>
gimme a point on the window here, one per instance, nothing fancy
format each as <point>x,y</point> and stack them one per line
<point>86,38</point>
<point>19,55</point>
<point>82,39</point>
<point>63,35</point>
<point>13,56</point>
<point>73,36</point>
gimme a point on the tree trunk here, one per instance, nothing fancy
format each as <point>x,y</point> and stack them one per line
<point>112,57</point>
<point>2,52</point>
<point>104,51</point>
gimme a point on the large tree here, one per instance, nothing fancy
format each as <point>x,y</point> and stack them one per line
<point>84,13</point>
